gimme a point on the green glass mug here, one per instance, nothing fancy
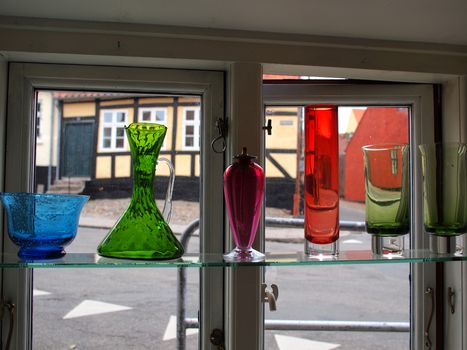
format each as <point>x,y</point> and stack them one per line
<point>387,196</point>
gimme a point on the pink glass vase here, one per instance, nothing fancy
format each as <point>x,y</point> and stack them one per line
<point>321,180</point>
<point>243,191</point>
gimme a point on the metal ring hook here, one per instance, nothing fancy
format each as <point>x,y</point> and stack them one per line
<point>224,146</point>
<point>221,127</point>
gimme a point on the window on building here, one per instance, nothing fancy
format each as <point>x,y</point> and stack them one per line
<point>39,121</point>
<point>113,130</point>
<point>154,115</point>
<point>191,128</point>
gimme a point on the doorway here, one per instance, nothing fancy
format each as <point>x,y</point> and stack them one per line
<point>77,148</point>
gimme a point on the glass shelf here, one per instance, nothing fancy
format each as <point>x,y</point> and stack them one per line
<point>92,260</point>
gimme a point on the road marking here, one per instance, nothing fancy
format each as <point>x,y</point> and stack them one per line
<point>171,330</point>
<point>352,241</point>
<point>92,307</point>
<point>285,342</point>
<point>38,293</point>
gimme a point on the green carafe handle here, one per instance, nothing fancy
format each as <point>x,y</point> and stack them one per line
<point>167,210</point>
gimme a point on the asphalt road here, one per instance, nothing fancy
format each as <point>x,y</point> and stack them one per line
<point>343,292</point>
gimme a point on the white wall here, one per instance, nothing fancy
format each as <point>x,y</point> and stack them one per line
<point>60,41</point>
<point>49,137</point>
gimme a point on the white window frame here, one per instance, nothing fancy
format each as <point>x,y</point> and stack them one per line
<point>113,125</point>
<point>421,129</point>
<point>25,78</point>
<point>195,123</point>
<point>242,311</point>
<point>245,323</point>
<point>153,112</point>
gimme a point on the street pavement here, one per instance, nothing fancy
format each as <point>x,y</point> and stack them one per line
<point>115,309</point>
<point>348,211</point>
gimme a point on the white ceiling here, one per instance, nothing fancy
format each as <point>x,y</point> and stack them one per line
<point>435,21</point>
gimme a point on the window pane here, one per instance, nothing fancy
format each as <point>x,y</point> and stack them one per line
<point>190,115</point>
<point>358,126</point>
<point>189,130</point>
<point>105,172</point>
<point>160,116</point>
<point>107,117</point>
<point>38,127</point>
<point>189,142</point>
<point>146,116</point>
<point>120,117</point>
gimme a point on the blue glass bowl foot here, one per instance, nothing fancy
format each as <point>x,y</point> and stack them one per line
<point>41,253</point>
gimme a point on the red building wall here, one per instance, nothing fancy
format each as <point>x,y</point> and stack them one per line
<point>378,125</point>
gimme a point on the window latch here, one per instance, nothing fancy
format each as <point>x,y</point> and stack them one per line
<point>268,127</point>
<point>4,305</point>
<point>452,299</point>
<point>270,297</point>
<point>222,129</point>
<point>429,291</point>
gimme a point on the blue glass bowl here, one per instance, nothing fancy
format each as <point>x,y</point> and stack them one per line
<point>42,224</point>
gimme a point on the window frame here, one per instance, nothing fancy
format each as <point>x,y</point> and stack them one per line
<point>421,130</point>
<point>25,78</point>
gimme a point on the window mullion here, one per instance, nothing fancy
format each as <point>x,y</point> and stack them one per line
<point>420,98</point>
<point>245,311</point>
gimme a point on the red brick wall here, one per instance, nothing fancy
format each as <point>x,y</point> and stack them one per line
<point>378,125</point>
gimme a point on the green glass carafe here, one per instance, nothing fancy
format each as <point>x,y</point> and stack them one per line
<point>141,232</point>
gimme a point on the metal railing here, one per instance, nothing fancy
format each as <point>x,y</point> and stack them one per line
<point>184,323</point>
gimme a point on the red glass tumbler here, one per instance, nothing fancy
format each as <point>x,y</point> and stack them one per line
<point>243,191</point>
<point>321,180</point>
